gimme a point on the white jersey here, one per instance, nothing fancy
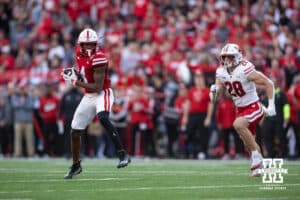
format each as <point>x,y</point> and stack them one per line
<point>242,91</point>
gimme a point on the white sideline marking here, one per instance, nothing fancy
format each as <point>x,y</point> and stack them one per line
<point>63,180</point>
<point>249,198</point>
<point>16,199</point>
<point>9,170</point>
<point>149,188</point>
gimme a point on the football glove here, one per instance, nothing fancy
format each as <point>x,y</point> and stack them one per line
<point>271,111</point>
<point>70,75</point>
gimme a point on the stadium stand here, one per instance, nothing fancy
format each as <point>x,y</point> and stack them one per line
<point>155,48</point>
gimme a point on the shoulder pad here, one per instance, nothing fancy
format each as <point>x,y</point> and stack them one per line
<point>99,59</point>
<point>247,67</point>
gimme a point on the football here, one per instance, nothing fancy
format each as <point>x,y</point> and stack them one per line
<point>68,71</point>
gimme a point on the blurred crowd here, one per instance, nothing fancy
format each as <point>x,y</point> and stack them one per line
<point>162,59</point>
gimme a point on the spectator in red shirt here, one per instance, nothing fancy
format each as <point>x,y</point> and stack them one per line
<point>294,121</point>
<point>49,107</point>
<point>138,107</point>
<point>295,93</point>
<point>181,102</point>
<point>6,59</point>
<point>225,116</point>
<point>140,8</point>
<point>199,117</point>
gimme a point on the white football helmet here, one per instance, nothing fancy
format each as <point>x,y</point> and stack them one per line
<point>88,36</point>
<point>231,55</point>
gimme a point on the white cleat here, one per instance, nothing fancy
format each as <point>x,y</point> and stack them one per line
<point>256,161</point>
<point>256,164</point>
<point>255,173</point>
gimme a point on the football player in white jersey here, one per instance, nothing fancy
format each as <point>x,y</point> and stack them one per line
<point>239,77</point>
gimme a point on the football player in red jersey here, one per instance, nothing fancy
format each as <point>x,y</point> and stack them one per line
<point>92,75</point>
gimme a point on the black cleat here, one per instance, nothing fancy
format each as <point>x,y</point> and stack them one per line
<point>74,170</point>
<point>124,161</point>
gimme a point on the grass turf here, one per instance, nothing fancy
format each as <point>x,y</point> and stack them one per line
<point>144,179</point>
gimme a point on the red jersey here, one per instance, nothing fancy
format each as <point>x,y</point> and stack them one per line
<point>49,106</point>
<point>86,66</point>
<point>137,109</point>
<point>225,113</point>
<point>199,99</point>
<point>293,106</point>
<point>297,95</point>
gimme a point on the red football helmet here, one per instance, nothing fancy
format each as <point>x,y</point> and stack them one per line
<point>88,42</point>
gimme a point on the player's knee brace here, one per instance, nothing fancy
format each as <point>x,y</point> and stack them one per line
<point>104,120</point>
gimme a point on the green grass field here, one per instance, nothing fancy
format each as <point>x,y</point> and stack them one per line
<point>143,179</point>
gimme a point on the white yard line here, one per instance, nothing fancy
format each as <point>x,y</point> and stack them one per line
<point>149,188</point>
<point>63,180</point>
<point>248,198</point>
<point>20,170</point>
<point>16,199</point>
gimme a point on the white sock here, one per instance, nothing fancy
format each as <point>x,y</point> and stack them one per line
<point>255,154</point>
